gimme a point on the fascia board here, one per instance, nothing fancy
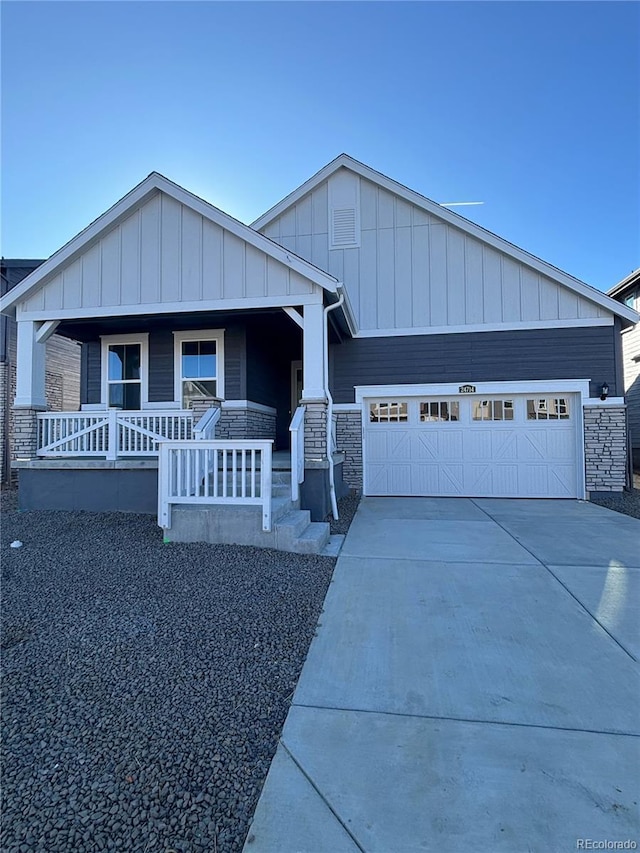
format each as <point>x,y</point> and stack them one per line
<point>457,221</point>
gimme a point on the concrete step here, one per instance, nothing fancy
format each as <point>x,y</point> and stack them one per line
<point>312,540</point>
<point>289,527</point>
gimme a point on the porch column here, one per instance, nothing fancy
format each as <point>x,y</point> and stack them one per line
<point>313,354</point>
<point>30,390</point>
<point>30,368</point>
<point>313,393</point>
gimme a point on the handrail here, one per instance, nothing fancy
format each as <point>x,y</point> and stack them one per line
<point>214,472</point>
<point>296,428</point>
<point>206,426</point>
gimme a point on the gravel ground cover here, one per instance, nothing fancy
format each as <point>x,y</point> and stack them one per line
<point>625,502</point>
<point>144,685</point>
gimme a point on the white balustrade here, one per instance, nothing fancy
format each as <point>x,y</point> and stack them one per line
<point>110,434</point>
<point>214,472</point>
<point>296,429</point>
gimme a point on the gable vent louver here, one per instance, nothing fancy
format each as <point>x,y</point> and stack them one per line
<point>344,227</point>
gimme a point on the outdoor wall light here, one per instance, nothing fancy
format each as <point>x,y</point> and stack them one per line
<point>604,391</point>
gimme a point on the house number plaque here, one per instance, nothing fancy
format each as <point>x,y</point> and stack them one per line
<point>467,389</point>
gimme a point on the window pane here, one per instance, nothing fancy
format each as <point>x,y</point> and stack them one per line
<point>116,362</point>
<point>191,389</point>
<point>116,396</point>
<point>132,361</point>
<point>387,412</point>
<point>199,359</point>
<point>132,395</point>
<point>439,411</point>
<point>124,395</point>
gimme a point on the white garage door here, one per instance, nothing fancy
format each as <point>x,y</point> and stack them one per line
<point>519,445</point>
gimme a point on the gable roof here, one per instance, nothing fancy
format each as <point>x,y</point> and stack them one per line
<point>465,225</point>
<point>153,183</point>
<point>619,290</point>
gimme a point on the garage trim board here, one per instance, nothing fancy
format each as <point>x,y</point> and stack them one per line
<point>496,439</point>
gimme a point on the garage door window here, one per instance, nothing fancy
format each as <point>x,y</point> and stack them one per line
<point>388,412</point>
<point>439,411</point>
<point>493,410</point>
<point>548,409</point>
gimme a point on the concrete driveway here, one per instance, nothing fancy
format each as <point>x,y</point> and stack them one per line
<point>473,686</point>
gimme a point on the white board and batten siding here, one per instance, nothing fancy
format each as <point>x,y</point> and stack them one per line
<point>165,253</point>
<point>408,269</point>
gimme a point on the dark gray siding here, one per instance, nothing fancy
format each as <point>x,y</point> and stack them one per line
<point>90,378</point>
<point>235,363</point>
<point>161,366</point>
<point>527,354</point>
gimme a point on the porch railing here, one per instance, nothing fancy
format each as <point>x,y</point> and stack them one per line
<point>214,472</point>
<point>206,426</point>
<point>296,429</point>
<point>111,434</point>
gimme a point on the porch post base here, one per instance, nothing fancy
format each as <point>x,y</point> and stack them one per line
<point>25,432</point>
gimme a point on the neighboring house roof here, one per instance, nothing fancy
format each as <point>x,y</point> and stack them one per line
<point>14,270</point>
<point>152,184</point>
<point>622,288</point>
<point>465,225</point>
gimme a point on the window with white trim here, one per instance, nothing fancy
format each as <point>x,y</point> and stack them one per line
<point>125,371</point>
<point>439,410</point>
<point>548,409</point>
<point>492,410</point>
<point>388,412</point>
<point>199,365</point>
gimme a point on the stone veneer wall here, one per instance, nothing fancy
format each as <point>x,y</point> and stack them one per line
<point>349,436</point>
<point>246,423</point>
<point>315,431</point>
<point>55,397</point>
<point>605,447</point>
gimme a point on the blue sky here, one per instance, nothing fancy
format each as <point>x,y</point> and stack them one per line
<point>533,108</point>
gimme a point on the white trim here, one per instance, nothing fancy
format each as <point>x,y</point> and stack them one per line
<point>296,316</point>
<point>579,387</point>
<point>46,330</point>
<point>485,327</point>
<point>137,196</point>
<point>92,407</point>
<point>444,213</point>
<point>552,386</point>
<point>610,401</point>
<point>216,335</point>
<point>106,341</point>
<point>346,407</point>
<point>248,405</point>
<point>170,404</point>
<point>170,307</point>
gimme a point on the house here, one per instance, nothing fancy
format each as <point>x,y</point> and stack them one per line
<point>62,359</point>
<point>404,349</point>
<point>628,293</point>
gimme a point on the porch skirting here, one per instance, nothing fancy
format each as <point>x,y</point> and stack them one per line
<point>95,486</point>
